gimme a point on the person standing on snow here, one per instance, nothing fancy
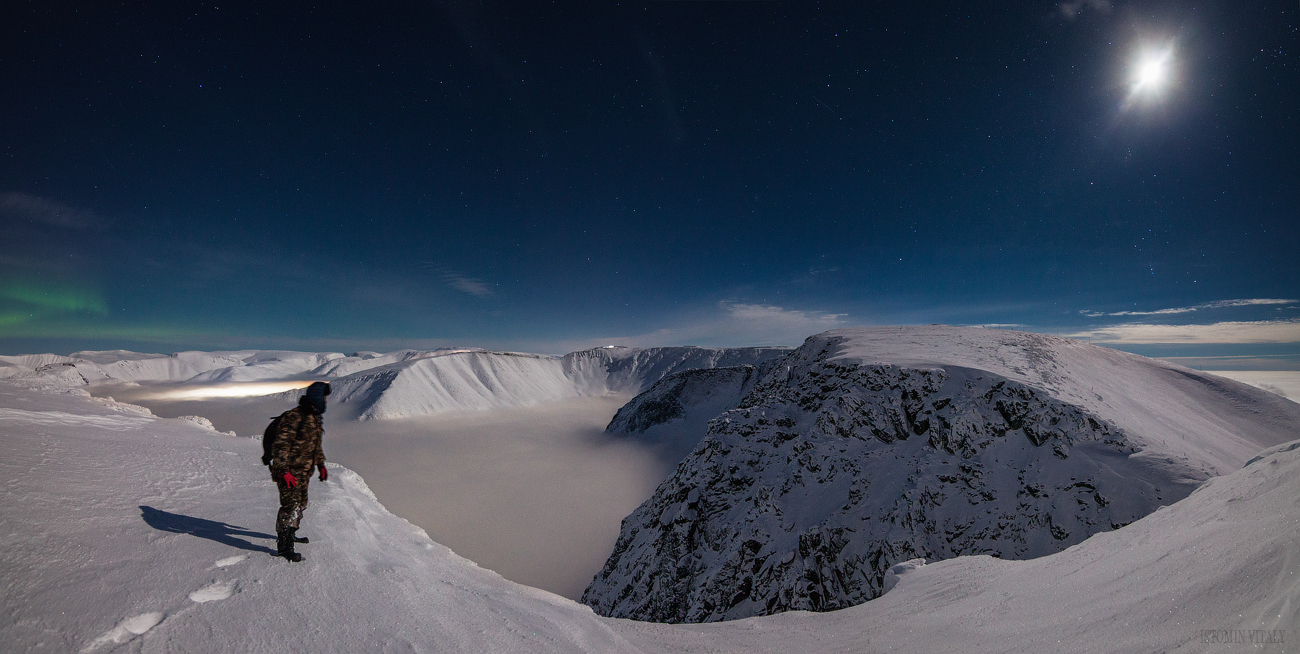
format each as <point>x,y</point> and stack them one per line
<point>293,454</point>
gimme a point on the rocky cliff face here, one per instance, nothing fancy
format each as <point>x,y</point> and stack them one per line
<point>673,413</point>
<point>631,370</point>
<point>828,472</point>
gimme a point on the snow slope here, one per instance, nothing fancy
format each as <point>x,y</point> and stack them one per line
<point>128,532</point>
<point>868,447</point>
<point>453,382</point>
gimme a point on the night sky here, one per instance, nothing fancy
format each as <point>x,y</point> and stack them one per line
<point>548,176</point>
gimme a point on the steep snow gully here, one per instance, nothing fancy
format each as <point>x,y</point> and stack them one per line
<point>812,479</point>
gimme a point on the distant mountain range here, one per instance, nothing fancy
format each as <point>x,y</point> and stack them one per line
<point>404,383</point>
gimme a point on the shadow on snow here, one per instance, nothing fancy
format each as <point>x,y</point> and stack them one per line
<point>209,529</point>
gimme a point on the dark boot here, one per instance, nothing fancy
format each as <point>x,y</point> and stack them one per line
<point>284,546</point>
<point>301,539</point>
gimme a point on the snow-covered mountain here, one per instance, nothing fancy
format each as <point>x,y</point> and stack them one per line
<point>476,380</point>
<point>868,447</point>
<point>400,384</point>
<point>127,532</point>
<point>452,382</point>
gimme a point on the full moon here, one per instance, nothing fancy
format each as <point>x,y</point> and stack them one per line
<point>1151,71</point>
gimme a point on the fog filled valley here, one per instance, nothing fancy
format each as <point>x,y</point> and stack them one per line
<point>534,493</point>
<point>903,488</point>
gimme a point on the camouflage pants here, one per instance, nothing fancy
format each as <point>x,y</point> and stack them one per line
<point>292,503</point>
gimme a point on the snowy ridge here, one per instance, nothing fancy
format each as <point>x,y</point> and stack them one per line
<point>163,527</point>
<point>474,380</point>
<point>455,382</point>
<point>181,366</point>
<point>265,365</point>
<point>344,366</point>
<point>31,362</point>
<point>1210,420</point>
<point>27,364</point>
<point>846,460</point>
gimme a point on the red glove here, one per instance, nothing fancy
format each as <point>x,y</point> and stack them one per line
<point>290,480</point>
<point>324,476</point>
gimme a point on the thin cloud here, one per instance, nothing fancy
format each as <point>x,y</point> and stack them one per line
<point>1262,331</point>
<point>1221,304</point>
<point>476,287</point>
<point>773,315</point>
<point>462,282</point>
<point>732,325</point>
<point>23,206</point>
<point>1073,8</point>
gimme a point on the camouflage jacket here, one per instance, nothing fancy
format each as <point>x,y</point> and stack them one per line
<point>297,446</point>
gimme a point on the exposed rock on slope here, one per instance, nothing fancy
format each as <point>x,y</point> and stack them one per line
<point>629,370</point>
<point>675,410</point>
<point>669,398</point>
<point>840,463</point>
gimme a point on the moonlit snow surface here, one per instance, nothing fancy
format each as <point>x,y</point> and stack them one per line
<point>126,532</point>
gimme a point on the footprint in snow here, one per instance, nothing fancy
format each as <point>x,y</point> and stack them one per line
<point>213,592</point>
<point>230,560</point>
<point>126,630</point>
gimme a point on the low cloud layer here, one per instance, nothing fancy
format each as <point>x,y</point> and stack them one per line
<point>737,325</point>
<point>1256,332</point>
<point>1221,304</point>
